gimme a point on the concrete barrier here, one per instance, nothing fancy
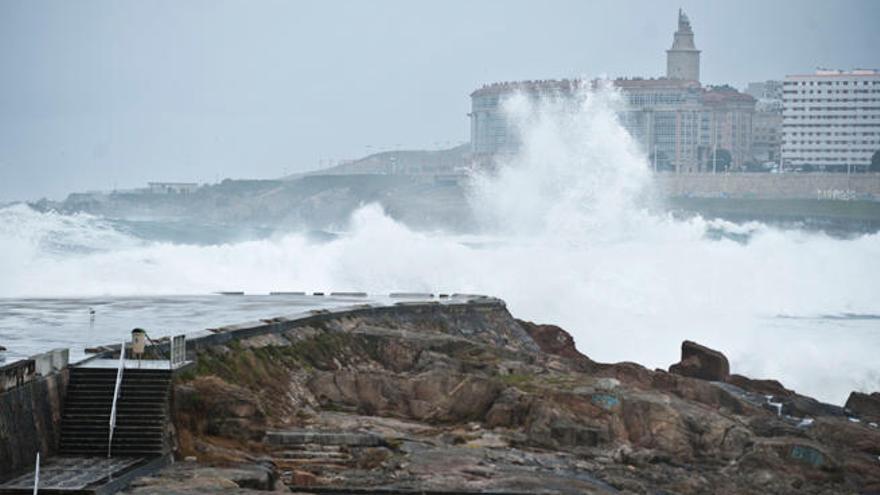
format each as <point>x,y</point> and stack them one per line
<point>197,341</point>
<point>863,187</point>
<point>31,402</point>
<point>23,371</point>
<point>411,295</point>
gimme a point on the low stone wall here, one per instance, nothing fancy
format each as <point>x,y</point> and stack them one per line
<point>864,187</point>
<point>31,399</point>
<point>421,310</point>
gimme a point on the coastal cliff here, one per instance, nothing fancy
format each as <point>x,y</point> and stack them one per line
<point>464,398</point>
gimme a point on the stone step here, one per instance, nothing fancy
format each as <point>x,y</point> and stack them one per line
<point>101,442</point>
<point>129,402</point>
<point>102,409</point>
<point>294,437</point>
<point>309,464</point>
<point>128,398</point>
<point>145,420</point>
<point>128,373</point>
<point>112,380</point>
<point>105,427</point>
<point>78,370</point>
<point>126,377</point>
<point>108,401</point>
<point>108,394</point>
<point>313,455</point>
<point>313,447</point>
<point>110,387</point>
<point>97,380</point>
<point>142,412</point>
<point>115,452</point>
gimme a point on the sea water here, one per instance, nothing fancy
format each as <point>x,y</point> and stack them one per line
<point>573,233</point>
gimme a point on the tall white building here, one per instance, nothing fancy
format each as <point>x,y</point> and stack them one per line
<point>831,119</point>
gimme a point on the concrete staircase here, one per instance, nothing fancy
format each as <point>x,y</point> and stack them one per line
<point>317,453</point>
<point>141,418</point>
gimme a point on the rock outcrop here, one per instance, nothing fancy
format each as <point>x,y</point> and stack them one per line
<point>472,400</point>
<point>865,406</point>
<point>701,362</point>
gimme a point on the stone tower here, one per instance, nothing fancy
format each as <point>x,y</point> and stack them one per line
<point>683,59</point>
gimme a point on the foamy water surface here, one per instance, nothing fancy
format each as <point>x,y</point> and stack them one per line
<point>572,236</point>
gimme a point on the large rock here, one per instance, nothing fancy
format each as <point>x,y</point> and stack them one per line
<point>434,396</point>
<point>758,386</point>
<point>553,340</point>
<point>698,361</point>
<point>866,406</point>
<point>212,406</point>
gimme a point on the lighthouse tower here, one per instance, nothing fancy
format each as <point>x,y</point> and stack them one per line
<point>683,59</point>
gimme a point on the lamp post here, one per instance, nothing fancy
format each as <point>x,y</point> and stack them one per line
<point>714,159</point>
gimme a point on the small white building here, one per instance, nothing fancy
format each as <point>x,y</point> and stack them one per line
<point>172,187</point>
<point>831,119</point>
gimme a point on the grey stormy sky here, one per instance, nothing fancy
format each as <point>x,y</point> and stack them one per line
<point>102,94</point>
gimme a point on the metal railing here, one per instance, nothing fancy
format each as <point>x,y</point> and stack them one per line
<point>155,347</point>
<point>116,397</point>
<point>178,350</point>
<point>37,475</point>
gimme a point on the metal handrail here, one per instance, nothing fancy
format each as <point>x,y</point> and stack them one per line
<point>37,475</point>
<point>178,350</point>
<point>115,397</point>
<point>155,346</point>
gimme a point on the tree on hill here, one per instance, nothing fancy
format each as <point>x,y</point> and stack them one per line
<point>875,162</point>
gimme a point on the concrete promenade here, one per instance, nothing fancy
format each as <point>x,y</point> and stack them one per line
<point>820,186</point>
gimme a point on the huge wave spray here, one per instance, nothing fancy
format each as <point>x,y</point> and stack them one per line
<point>570,238</point>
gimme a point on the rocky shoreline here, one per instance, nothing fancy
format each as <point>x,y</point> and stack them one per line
<point>470,400</point>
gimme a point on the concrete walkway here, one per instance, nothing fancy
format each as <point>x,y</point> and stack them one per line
<point>74,474</point>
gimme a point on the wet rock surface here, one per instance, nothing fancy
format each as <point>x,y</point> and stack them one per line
<point>472,400</point>
<point>866,406</point>
<point>701,362</point>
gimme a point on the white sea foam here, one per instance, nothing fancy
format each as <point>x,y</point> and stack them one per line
<point>570,238</point>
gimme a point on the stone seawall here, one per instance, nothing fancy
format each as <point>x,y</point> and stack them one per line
<point>31,399</point>
<point>855,187</point>
<point>464,307</point>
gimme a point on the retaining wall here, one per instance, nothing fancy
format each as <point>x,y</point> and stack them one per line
<point>415,309</point>
<point>864,187</point>
<point>32,395</point>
